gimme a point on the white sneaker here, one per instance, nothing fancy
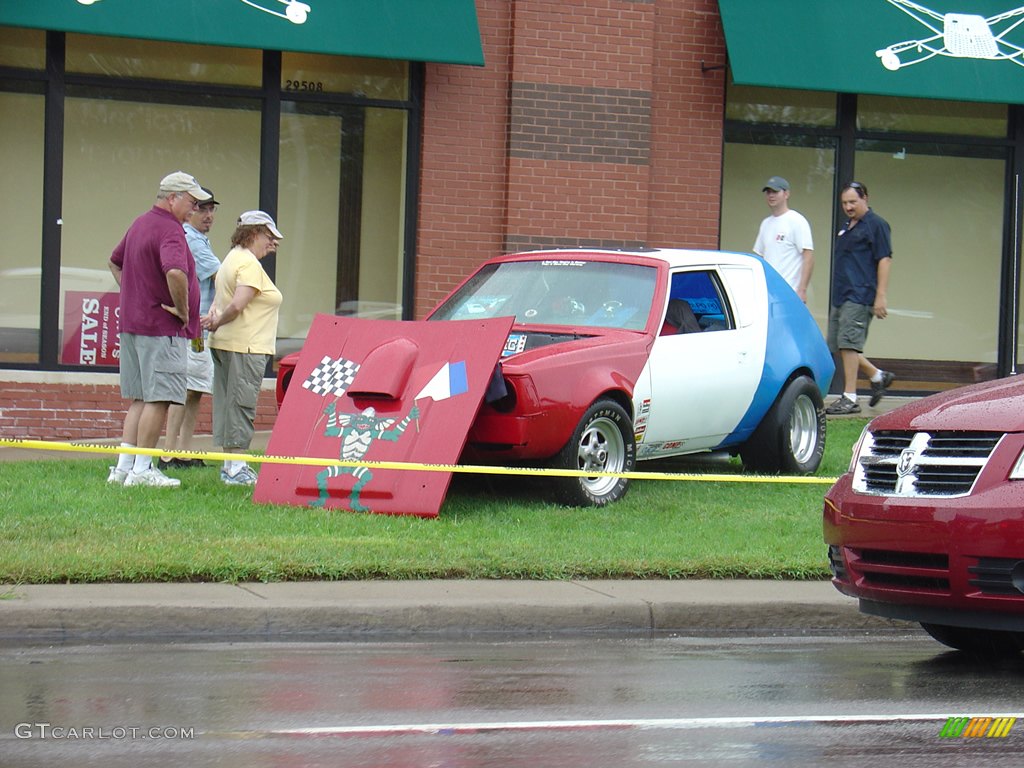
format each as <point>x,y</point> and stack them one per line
<point>117,476</point>
<point>244,476</point>
<point>153,477</point>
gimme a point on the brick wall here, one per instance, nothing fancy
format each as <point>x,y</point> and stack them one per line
<point>463,169</point>
<point>580,124</point>
<point>687,113</point>
<point>592,124</point>
<point>65,409</point>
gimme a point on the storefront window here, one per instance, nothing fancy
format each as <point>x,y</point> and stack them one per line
<point>340,177</point>
<point>889,113</point>
<point>115,153</point>
<point>946,214</point>
<point>122,57</point>
<point>341,202</point>
<point>21,211</point>
<point>369,78</point>
<point>944,201</point>
<point>24,48</point>
<point>753,104</point>
<point>382,222</point>
<point>810,172</point>
<point>308,202</point>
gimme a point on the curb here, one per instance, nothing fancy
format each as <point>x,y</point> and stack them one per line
<point>362,610</point>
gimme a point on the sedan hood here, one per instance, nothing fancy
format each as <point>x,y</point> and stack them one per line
<point>994,406</point>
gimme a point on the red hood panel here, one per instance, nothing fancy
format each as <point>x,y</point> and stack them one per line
<point>993,406</point>
<point>438,373</point>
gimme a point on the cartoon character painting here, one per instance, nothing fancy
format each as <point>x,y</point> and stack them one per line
<point>358,431</point>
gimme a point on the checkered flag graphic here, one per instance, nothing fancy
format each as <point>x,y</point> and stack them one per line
<point>331,377</point>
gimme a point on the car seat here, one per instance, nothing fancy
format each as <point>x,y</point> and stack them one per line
<point>679,318</point>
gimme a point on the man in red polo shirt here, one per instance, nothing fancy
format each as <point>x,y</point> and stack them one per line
<point>159,314</point>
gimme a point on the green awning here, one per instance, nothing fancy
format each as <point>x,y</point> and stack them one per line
<point>970,50</point>
<point>416,30</point>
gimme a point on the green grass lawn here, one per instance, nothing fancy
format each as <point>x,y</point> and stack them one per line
<point>61,522</point>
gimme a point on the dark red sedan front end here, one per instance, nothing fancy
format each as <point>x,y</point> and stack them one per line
<point>928,525</point>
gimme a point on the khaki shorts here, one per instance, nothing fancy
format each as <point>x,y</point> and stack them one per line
<point>848,326</point>
<point>153,368</point>
<point>200,371</point>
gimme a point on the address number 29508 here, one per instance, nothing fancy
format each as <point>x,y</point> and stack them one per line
<point>304,85</point>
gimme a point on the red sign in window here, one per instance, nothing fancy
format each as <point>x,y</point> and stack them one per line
<point>92,332</point>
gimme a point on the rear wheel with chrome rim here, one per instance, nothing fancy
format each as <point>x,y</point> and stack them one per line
<point>791,437</point>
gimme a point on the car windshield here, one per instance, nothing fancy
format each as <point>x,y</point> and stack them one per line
<point>557,292</point>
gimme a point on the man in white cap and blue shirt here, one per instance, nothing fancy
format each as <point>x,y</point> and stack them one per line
<point>784,239</point>
<point>159,314</point>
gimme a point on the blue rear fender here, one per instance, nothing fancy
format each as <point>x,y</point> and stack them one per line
<point>795,347</point>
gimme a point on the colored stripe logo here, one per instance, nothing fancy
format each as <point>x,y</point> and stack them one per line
<point>977,727</point>
<point>447,382</point>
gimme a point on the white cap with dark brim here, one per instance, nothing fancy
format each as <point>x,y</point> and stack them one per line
<point>260,217</point>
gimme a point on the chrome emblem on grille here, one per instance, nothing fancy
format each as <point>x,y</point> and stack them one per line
<point>906,462</point>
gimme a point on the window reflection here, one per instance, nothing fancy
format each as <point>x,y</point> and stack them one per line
<point>21,211</point>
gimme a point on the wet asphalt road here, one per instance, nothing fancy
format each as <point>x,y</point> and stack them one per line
<point>593,702</point>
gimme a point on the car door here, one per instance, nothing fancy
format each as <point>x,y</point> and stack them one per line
<point>698,384</point>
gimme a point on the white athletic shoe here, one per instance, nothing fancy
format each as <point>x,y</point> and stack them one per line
<point>244,476</point>
<point>117,476</point>
<point>153,477</point>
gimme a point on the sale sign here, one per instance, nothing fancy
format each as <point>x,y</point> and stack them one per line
<point>92,331</point>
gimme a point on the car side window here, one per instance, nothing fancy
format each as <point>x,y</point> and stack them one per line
<point>701,290</point>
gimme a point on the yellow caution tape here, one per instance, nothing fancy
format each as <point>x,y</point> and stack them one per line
<point>43,445</point>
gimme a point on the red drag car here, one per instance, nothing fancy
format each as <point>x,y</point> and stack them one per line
<point>928,524</point>
<point>616,357</point>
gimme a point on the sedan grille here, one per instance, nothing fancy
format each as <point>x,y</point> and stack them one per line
<point>922,464</point>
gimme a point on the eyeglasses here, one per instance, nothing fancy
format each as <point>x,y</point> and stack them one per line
<point>192,201</point>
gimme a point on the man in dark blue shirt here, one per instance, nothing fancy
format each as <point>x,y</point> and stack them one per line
<point>860,282</point>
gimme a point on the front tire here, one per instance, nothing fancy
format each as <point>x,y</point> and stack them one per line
<point>603,442</point>
<point>791,437</point>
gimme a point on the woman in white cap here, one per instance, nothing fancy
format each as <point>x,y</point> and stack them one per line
<point>243,326</point>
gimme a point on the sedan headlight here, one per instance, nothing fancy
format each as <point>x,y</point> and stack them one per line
<point>857,446</point>
<point>1017,473</point>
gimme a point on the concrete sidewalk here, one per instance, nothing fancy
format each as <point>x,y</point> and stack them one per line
<point>378,609</point>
